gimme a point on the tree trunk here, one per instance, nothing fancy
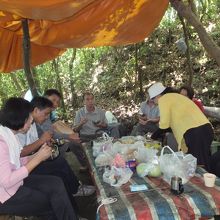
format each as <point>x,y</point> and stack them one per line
<point>213,112</point>
<point>210,46</point>
<point>15,80</point>
<point>26,57</point>
<point>74,95</point>
<point>188,58</point>
<point>139,74</point>
<point>55,64</point>
<point>193,6</point>
<point>3,92</point>
<point>34,73</point>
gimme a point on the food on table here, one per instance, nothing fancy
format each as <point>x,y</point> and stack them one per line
<point>155,171</point>
<point>148,169</point>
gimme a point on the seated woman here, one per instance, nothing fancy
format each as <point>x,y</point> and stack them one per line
<point>189,92</point>
<point>20,193</point>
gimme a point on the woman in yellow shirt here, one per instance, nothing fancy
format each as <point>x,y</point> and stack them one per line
<point>191,128</point>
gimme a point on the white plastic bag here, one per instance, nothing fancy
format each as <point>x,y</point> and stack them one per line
<point>177,164</point>
<point>117,176</point>
<point>103,159</point>
<point>124,149</point>
<point>146,154</point>
<point>103,144</point>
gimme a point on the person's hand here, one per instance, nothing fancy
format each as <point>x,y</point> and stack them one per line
<point>83,120</point>
<point>46,137</point>
<point>101,125</point>
<point>74,137</point>
<point>142,117</point>
<point>43,153</point>
<point>143,122</point>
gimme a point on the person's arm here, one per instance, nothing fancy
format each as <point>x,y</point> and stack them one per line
<point>160,133</point>
<point>79,122</point>
<point>141,111</point>
<point>142,117</point>
<point>77,127</point>
<point>165,113</point>
<point>74,137</point>
<point>155,120</point>
<point>8,176</point>
<point>144,122</point>
<point>30,148</point>
<point>43,154</point>
<point>102,125</point>
<point>103,122</point>
<point>47,126</point>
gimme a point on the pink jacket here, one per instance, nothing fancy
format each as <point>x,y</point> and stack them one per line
<point>10,178</point>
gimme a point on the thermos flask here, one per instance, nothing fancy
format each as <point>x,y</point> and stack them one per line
<point>176,185</point>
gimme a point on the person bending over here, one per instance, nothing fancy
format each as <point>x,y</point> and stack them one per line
<point>191,128</point>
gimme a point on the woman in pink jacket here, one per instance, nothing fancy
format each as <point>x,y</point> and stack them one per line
<point>20,193</point>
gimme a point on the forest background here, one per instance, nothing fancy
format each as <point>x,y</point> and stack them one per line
<point>119,76</point>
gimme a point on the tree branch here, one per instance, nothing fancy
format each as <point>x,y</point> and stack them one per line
<point>210,46</point>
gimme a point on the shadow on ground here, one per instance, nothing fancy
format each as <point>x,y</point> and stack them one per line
<point>87,205</point>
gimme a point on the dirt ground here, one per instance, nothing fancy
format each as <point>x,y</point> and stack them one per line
<point>87,205</point>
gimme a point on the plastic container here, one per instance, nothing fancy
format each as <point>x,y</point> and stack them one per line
<point>209,179</point>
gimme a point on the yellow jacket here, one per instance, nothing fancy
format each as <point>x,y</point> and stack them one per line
<point>180,114</point>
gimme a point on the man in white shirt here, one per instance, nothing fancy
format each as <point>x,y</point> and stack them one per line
<point>59,167</point>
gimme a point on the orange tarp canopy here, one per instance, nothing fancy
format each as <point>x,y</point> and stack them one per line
<point>58,24</point>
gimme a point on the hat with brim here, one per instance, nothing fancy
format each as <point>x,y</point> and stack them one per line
<point>155,90</point>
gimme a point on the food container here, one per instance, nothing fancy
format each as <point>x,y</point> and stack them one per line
<point>131,164</point>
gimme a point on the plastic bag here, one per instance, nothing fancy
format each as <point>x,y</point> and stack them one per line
<point>102,144</point>
<point>103,159</point>
<point>146,154</point>
<point>177,164</point>
<point>118,161</point>
<point>181,45</point>
<point>124,149</point>
<point>117,176</point>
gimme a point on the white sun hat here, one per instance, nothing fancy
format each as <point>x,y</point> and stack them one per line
<point>156,89</point>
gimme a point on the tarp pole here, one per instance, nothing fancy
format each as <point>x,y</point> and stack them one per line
<point>26,57</point>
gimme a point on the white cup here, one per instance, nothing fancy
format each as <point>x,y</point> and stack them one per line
<point>209,179</point>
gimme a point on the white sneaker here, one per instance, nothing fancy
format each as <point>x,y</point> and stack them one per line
<point>81,218</point>
<point>85,190</point>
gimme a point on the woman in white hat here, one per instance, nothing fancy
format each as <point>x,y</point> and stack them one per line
<point>191,128</point>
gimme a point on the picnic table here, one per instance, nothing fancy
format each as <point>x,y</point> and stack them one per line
<point>197,201</point>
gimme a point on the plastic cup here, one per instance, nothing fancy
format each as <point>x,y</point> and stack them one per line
<point>209,179</point>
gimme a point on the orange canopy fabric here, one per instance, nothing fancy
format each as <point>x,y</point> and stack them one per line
<point>55,25</point>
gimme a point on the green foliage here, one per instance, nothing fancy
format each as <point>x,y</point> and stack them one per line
<point>111,72</point>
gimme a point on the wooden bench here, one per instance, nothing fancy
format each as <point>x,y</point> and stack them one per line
<point>8,217</point>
